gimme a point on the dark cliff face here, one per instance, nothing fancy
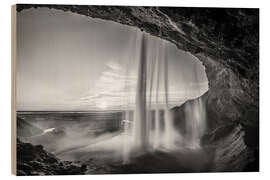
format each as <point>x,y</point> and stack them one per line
<point>226,40</point>
<point>230,151</point>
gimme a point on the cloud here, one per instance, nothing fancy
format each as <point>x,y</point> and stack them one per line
<point>116,87</point>
<point>112,88</point>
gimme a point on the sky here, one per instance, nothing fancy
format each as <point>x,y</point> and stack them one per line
<point>70,62</point>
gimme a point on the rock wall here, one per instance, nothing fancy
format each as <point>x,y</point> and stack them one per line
<point>230,151</point>
<point>229,104</point>
<point>227,142</point>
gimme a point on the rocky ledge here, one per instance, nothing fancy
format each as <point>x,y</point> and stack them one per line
<point>34,160</point>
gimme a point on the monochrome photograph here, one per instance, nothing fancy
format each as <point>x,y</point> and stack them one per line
<point>135,89</point>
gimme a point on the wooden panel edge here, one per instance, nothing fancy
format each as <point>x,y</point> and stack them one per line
<point>13,91</point>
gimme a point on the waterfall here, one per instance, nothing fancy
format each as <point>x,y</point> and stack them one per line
<point>157,127</point>
<point>141,125</point>
<point>195,122</point>
<point>151,125</point>
<point>168,121</point>
<point>195,118</point>
<point>152,69</point>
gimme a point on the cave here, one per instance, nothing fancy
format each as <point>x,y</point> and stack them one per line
<point>226,41</point>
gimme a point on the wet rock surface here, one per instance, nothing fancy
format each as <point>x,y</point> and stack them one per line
<point>34,160</point>
<point>178,161</point>
<point>230,151</point>
<point>232,148</point>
